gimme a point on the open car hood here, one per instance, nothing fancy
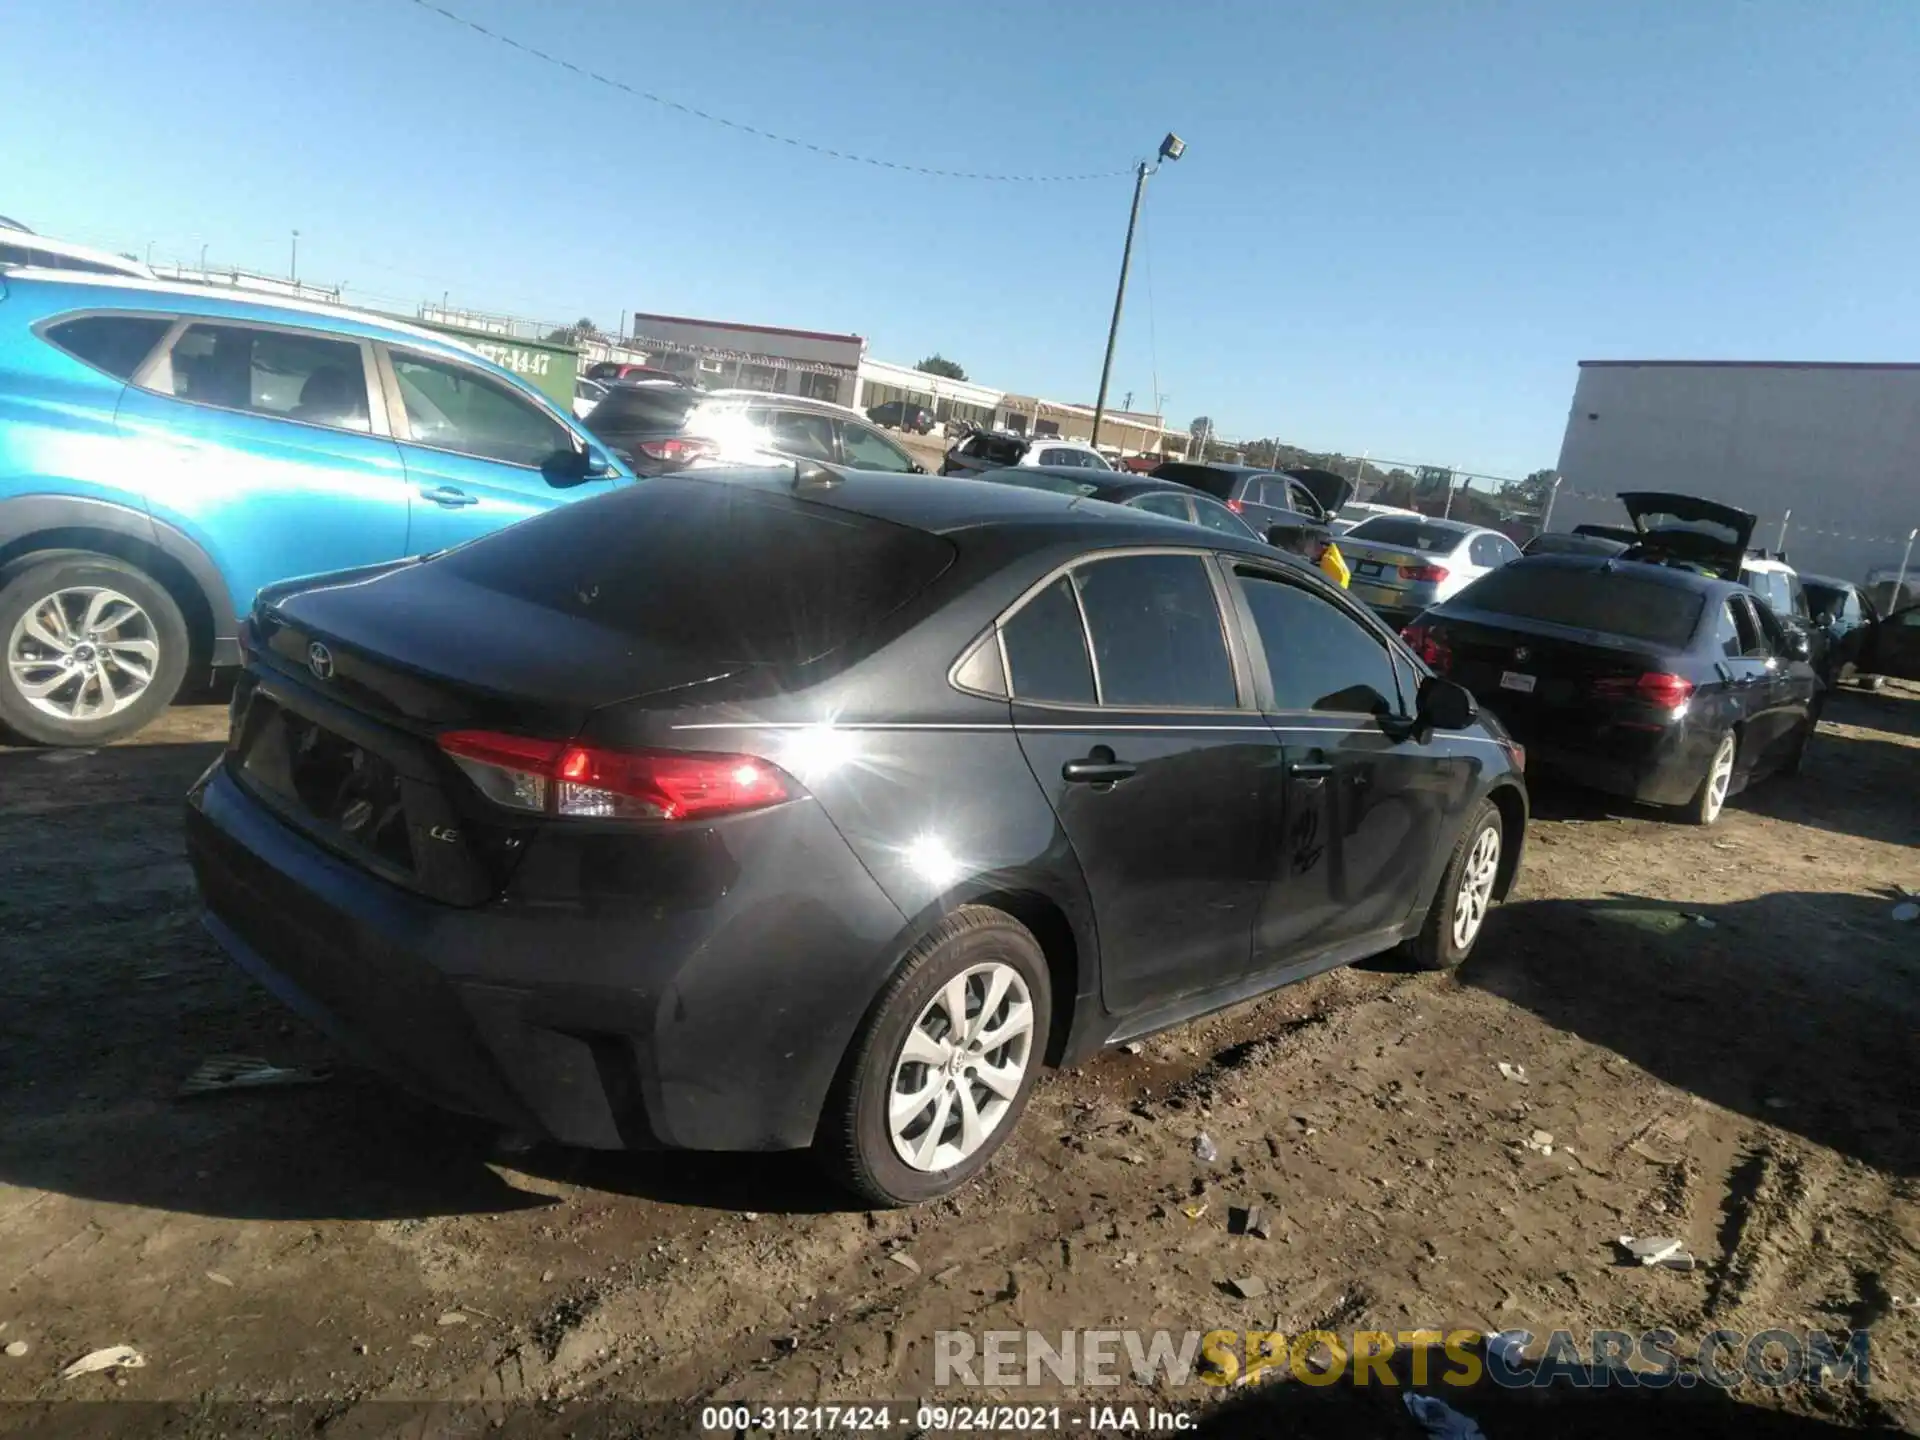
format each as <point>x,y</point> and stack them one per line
<point>1690,529</point>
<point>1331,490</point>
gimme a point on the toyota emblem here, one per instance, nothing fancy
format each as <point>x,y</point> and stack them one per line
<point>1521,655</point>
<point>320,661</point>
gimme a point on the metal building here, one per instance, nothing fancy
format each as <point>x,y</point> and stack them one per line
<point>1828,454</point>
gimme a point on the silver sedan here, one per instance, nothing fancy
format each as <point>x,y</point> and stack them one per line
<point>1403,563</point>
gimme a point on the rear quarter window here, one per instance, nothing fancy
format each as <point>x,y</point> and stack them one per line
<point>801,580</point>
<point>113,343</point>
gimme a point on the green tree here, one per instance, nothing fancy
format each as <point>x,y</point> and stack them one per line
<point>577,333</point>
<point>938,364</point>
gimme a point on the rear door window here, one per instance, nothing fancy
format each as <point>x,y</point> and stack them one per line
<point>798,432</point>
<point>287,374</point>
<point>867,450</point>
<point>1215,516</point>
<point>1172,506</point>
<point>801,580</point>
<point>1317,657</point>
<point>1157,637</point>
<point>1046,642</point>
<point>1726,634</point>
<point>113,343</point>
<point>454,407</point>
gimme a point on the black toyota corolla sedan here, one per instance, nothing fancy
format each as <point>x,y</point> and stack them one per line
<point>801,807</point>
<point>1654,683</point>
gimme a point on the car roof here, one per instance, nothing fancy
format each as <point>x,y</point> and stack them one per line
<point>126,292</point>
<point>1220,467</point>
<point>1767,564</point>
<point>1828,582</point>
<point>120,264</point>
<point>785,402</point>
<point>1676,578</point>
<point>944,505</point>
<point>1459,527</point>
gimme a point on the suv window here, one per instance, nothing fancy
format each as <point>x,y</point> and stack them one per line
<point>454,407</point>
<point>1770,586</point>
<point>1157,639</point>
<point>1490,551</point>
<point>1317,657</point>
<point>998,449</point>
<point>798,432</point>
<point>1047,649</point>
<point>313,378</point>
<point>867,450</point>
<point>113,343</point>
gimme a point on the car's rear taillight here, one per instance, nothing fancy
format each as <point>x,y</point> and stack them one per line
<point>556,777</point>
<point>1236,507</point>
<point>1655,687</point>
<point>1429,642</point>
<point>1434,573</point>
<point>680,450</point>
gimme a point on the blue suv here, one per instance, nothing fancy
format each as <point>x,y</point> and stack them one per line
<point>166,450</point>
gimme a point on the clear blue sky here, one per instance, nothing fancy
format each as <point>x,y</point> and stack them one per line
<point>1398,227</point>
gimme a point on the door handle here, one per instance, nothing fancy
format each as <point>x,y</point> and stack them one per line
<point>1099,768</point>
<point>448,496</point>
<point>1312,771</point>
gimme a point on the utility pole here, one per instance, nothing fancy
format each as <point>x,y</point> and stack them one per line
<point>1780,544</point>
<point>1171,148</point>
<point>1553,494</point>
<point>293,260</point>
<point>1900,585</point>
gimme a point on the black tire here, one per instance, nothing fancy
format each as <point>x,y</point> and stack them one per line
<point>33,582</point>
<point>1436,947</point>
<point>1706,807</point>
<point>854,1141</point>
<point>1798,755</point>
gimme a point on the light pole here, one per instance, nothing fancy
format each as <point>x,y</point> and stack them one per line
<point>293,260</point>
<point>1900,585</point>
<point>1171,148</point>
<point>203,262</point>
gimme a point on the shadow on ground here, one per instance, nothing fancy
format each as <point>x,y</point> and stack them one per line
<point>1796,1008</point>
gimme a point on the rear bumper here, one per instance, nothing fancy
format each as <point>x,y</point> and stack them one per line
<point>586,1021</point>
<point>1663,768</point>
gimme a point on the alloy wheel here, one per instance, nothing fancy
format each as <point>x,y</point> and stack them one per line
<point>83,653</point>
<point>1476,887</point>
<point>1719,779</point>
<point>960,1067</point>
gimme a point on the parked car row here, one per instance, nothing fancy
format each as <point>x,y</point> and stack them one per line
<point>944,783</point>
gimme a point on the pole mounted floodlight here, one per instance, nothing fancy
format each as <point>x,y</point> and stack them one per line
<point>1171,148</point>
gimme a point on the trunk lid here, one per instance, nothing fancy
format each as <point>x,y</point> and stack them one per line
<point>1536,674</point>
<point>1690,530</point>
<point>1331,490</point>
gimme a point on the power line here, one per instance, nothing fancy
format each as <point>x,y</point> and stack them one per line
<point>698,114</point>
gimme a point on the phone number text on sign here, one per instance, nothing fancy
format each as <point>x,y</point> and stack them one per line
<point>520,362</point>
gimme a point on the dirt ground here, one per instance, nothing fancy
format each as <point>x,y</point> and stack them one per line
<point>1745,1085</point>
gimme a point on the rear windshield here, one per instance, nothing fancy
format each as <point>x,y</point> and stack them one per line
<point>1217,483</point>
<point>710,569</point>
<point>1604,600</point>
<point>1554,544</point>
<point>1406,534</point>
<point>644,407</point>
<point>999,449</point>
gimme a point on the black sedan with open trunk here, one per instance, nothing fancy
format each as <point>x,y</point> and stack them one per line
<point>810,807</point>
<point>1659,684</point>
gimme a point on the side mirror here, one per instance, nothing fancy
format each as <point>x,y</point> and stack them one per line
<point>577,466</point>
<point>1444,705</point>
<point>595,463</point>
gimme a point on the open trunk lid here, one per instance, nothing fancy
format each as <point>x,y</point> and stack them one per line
<point>1331,490</point>
<point>1689,529</point>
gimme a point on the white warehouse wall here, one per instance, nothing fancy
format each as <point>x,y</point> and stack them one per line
<point>1838,445</point>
